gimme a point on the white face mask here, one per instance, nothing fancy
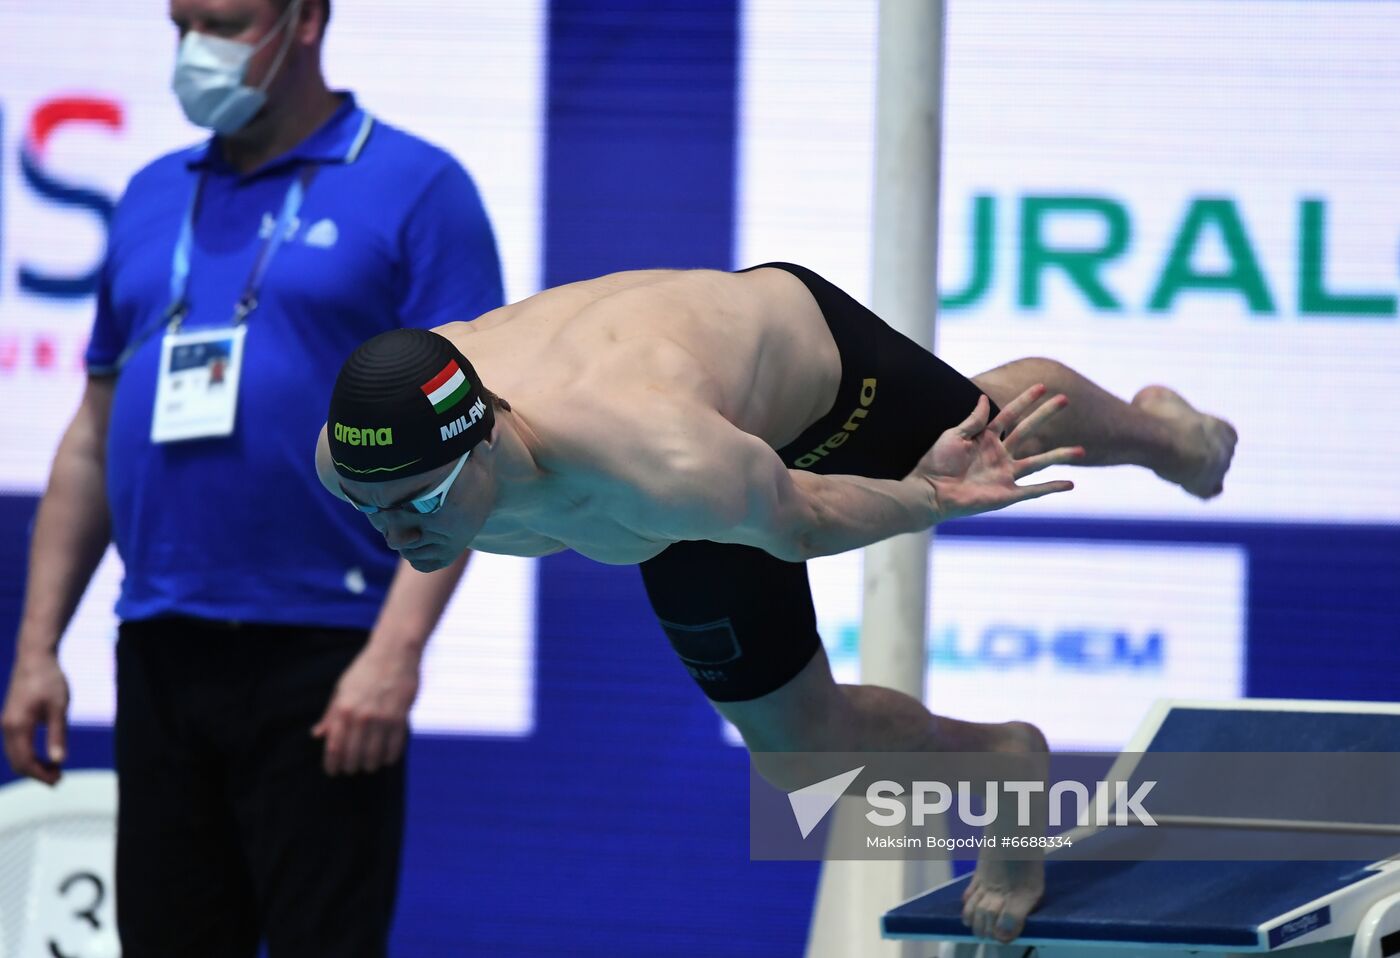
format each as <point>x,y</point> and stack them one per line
<point>209,74</point>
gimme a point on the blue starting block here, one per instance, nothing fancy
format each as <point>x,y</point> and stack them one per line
<point>1154,908</point>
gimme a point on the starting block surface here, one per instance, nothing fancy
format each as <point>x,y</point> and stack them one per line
<point>1160,907</point>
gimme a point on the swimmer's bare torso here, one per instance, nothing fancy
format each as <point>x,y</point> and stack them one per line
<point>626,364</point>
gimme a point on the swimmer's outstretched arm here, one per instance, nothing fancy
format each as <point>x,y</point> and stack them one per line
<point>725,485</point>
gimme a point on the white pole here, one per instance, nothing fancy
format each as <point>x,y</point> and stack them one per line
<point>853,895</point>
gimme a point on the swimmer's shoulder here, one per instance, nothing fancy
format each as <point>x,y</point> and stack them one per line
<point>570,299</point>
<point>561,301</point>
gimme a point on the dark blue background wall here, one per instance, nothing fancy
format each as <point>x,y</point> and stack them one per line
<point>620,827</point>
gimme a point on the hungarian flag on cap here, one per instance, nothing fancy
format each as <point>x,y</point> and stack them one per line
<point>447,388</point>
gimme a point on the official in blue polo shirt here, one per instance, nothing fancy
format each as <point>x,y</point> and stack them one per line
<point>270,643</point>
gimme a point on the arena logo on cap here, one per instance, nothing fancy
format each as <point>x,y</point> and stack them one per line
<point>366,436</point>
<point>447,388</point>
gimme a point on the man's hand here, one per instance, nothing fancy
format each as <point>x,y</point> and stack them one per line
<point>973,467</point>
<point>366,724</point>
<point>38,694</point>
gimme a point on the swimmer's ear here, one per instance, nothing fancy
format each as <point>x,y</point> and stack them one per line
<point>325,469</point>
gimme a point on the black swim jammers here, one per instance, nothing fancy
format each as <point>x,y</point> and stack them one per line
<point>742,620</point>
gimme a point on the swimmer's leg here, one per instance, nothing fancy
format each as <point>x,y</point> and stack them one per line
<point>812,713</point>
<point>1158,429</point>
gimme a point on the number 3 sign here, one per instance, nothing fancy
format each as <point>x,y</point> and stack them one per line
<point>57,898</point>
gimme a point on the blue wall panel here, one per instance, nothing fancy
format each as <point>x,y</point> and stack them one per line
<point>620,827</point>
<point>640,145</point>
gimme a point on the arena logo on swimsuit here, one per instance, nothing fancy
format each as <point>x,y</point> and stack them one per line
<point>867,396</point>
<point>1207,222</point>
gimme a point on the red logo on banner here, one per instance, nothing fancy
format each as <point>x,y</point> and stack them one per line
<point>41,351</point>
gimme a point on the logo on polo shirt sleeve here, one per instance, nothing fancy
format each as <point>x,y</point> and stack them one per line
<point>323,234</point>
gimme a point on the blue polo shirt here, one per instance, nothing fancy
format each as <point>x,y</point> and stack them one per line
<point>391,233</point>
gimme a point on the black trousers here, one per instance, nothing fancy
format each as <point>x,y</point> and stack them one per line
<point>228,831</point>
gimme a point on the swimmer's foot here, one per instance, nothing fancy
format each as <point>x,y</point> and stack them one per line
<point>1205,443</point>
<point>1003,891</point>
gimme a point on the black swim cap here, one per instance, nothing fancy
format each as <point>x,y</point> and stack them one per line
<point>405,403</point>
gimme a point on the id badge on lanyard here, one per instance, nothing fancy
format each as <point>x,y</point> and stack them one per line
<point>197,388</point>
<point>200,369</point>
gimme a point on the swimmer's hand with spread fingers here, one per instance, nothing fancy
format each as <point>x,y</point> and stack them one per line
<point>972,469</point>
